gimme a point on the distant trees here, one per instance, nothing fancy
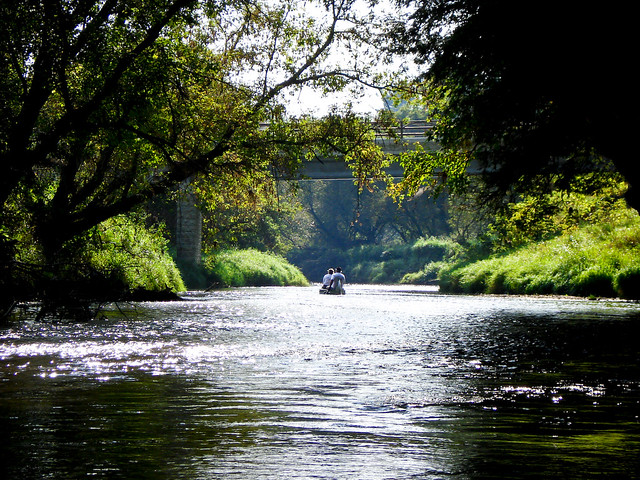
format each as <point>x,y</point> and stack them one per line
<point>524,89</point>
<point>340,217</point>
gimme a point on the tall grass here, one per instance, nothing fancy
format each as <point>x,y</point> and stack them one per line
<point>239,268</point>
<point>598,261</point>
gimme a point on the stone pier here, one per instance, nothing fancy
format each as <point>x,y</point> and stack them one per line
<point>188,230</point>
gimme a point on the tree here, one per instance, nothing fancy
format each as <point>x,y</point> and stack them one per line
<point>338,216</point>
<point>108,103</point>
<point>525,89</point>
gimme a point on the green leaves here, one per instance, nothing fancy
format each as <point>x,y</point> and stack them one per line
<point>591,199</point>
<point>120,101</point>
<point>432,170</point>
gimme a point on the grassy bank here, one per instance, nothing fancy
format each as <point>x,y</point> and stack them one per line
<point>240,268</point>
<point>593,261</point>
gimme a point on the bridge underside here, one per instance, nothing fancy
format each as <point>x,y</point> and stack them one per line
<point>338,170</point>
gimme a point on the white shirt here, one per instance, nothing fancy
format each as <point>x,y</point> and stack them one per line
<point>338,280</point>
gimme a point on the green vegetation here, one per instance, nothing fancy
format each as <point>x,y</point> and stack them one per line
<point>104,107</point>
<point>417,262</point>
<point>600,260</point>
<point>134,256</point>
<point>584,241</point>
<point>250,267</point>
<point>118,259</point>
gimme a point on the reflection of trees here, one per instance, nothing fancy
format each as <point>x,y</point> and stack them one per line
<point>74,428</point>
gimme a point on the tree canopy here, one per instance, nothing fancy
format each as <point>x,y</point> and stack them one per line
<point>108,103</point>
<point>523,88</point>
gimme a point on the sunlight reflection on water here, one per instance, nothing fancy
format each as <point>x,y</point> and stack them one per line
<point>384,382</point>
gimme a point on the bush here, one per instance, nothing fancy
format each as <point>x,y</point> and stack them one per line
<point>124,251</point>
<point>594,282</point>
<point>428,274</point>
<point>239,268</point>
<point>627,282</point>
<point>433,249</point>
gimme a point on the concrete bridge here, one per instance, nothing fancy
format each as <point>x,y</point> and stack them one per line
<point>407,136</point>
<point>189,218</point>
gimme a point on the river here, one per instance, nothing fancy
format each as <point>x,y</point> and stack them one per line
<point>282,383</point>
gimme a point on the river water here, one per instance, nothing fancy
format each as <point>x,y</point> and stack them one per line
<point>283,383</point>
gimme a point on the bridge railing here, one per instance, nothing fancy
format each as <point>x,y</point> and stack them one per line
<point>413,129</point>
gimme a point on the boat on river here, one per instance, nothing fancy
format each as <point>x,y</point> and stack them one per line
<point>334,291</point>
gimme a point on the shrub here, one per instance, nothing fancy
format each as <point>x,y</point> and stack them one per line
<point>594,282</point>
<point>433,249</point>
<point>238,268</point>
<point>428,274</point>
<point>123,250</point>
<point>627,282</point>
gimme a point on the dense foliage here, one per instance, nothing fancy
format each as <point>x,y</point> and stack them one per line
<point>521,90</point>
<point>590,199</point>
<point>129,253</point>
<point>582,241</point>
<point>534,98</point>
<point>120,259</point>
<point>107,104</point>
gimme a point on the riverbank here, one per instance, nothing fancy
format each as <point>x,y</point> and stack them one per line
<point>593,261</point>
<point>601,260</point>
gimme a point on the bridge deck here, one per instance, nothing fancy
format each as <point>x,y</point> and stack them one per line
<point>407,137</point>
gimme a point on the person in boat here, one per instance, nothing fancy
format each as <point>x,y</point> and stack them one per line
<point>336,285</point>
<point>326,280</point>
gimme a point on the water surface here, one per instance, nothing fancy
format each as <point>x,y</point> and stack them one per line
<point>282,383</point>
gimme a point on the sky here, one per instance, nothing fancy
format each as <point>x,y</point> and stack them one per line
<point>368,101</point>
<point>308,101</point>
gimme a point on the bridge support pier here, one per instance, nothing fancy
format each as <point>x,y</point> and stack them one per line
<point>188,229</point>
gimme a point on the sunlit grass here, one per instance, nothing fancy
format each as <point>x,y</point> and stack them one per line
<point>238,268</point>
<point>598,260</point>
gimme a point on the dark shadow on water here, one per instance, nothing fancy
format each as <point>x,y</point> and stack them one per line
<point>135,428</point>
